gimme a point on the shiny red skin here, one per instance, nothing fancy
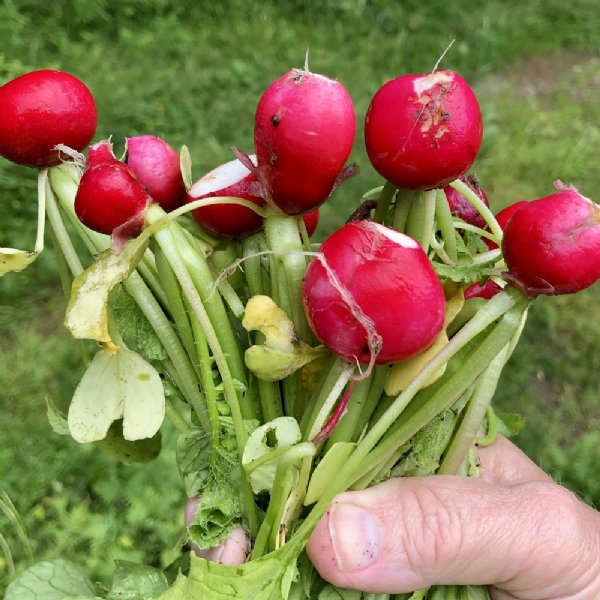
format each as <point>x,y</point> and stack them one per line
<point>421,138</point>
<point>303,133</point>
<point>156,164</point>
<point>311,221</point>
<point>393,284</point>
<point>503,217</point>
<point>109,195</point>
<point>231,220</point>
<point>461,207</point>
<point>41,109</point>
<point>552,245</point>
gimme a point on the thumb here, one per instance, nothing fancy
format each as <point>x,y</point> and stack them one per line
<point>532,540</point>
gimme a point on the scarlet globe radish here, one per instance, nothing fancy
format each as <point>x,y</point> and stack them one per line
<point>423,131</point>
<point>109,194</point>
<point>156,164</point>
<point>396,292</point>
<point>461,207</point>
<point>303,133</point>
<point>41,109</point>
<point>503,217</point>
<point>552,245</point>
<point>228,220</point>
<point>311,221</point>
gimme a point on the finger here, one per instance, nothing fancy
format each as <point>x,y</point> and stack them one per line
<point>502,462</point>
<point>407,534</point>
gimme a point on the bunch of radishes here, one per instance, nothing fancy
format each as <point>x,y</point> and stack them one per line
<point>312,368</point>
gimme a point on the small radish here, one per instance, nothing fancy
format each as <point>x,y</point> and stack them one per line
<point>156,165</point>
<point>303,133</point>
<point>503,217</point>
<point>109,194</point>
<point>392,284</point>
<point>311,220</point>
<point>552,245</point>
<point>423,131</point>
<point>461,207</point>
<point>228,220</point>
<point>41,109</point>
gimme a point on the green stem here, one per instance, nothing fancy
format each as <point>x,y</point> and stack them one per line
<point>475,411</point>
<point>492,432</point>
<point>404,200</point>
<point>175,417</point>
<point>384,201</point>
<point>443,217</point>
<point>345,430</point>
<point>283,238</point>
<point>479,204</point>
<point>61,235</point>
<point>421,218</point>
<point>460,224</point>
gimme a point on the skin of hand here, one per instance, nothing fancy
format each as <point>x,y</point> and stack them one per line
<point>513,529</point>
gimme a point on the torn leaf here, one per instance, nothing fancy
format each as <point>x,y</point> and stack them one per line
<point>117,385</point>
<point>87,313</point>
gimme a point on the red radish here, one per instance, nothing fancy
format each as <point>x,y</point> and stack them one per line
<point>303,133</point>
<point>228,220</point>
<point>552,245</point>
<point>311,220</point>
<point>391,281</point>
<point>109,194</point>
<point>461,207</point>
<point>423,131</point>
<point>156,165</point>
<point>503,217</point>
<point>486,291</point>
<point>41,109</point>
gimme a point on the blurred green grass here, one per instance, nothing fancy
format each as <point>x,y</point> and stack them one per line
<point>192,72</point>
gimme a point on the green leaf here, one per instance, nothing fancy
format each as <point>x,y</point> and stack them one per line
<point>51,580</point>
<point>509,424</point>
<point>134,328</point>
<point>286,433</point>
<point>262,579</point>
<point>13,260</point>
<point>330,592</point>
<point>133,581</point>
<point>116,447</point>
<point>57,419</point>
<point>271,364</point>
<point>326,470</point>
<point>117,385</point>
<point>193,459</point>
<point>460,273</point>
<point>87,310</point>
<point>219,512</point>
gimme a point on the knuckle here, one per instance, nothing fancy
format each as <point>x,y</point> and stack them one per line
<point>432,530</point>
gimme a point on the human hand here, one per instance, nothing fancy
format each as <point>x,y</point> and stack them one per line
<point>512,528</point>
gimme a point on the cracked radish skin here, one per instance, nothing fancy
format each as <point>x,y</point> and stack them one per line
<point>391,282</point>
<point>552,245</point>
<point>303,133</point>
<point>423,131</point>
<point>41,109</point>
<point>228,220</point>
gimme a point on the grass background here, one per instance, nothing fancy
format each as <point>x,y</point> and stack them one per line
<point>192,72</point>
